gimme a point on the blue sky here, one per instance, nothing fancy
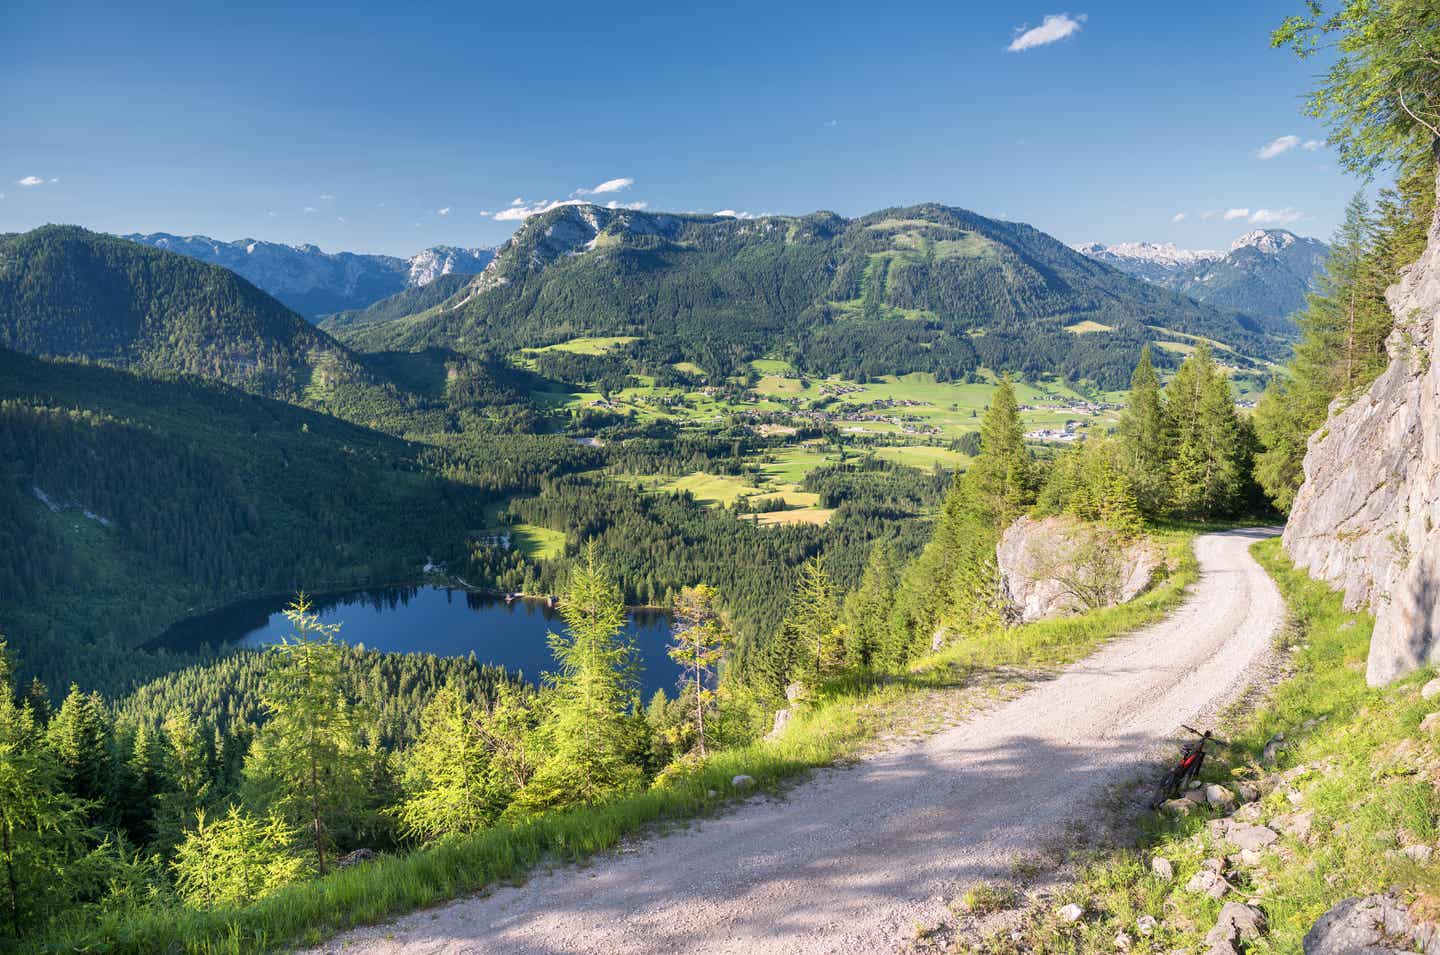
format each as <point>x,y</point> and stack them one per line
<point>392,127</point>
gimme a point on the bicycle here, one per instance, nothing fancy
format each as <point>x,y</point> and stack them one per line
<point>1192,757</point>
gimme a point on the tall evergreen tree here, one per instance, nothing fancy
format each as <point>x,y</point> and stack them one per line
<point>1145,438</point>
<point>589,732</point>
<point>868,611</point>
<point>450,787</point>
<point>1207,469</point>
<point>310,754</point>
<point>812,627</point>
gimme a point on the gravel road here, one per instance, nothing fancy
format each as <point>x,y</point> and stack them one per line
<point>852,859</point>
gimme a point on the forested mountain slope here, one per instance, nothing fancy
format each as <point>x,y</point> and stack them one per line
<point>925,288</point>
<point>127,501</point>
<point>66,292</point>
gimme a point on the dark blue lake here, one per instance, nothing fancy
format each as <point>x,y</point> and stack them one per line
<point>428,620</point>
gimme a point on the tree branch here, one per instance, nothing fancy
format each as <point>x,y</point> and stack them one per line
<point>1400,96</point>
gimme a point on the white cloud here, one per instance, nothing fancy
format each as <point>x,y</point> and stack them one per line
<point>443,212</point>
<point>1310,145</point>
<point>311,210</point>
<point>326,196</point>
<point>1209,214</point>
<point>517,201</point>
<point>1277,146</point>
<point>485,213</point>
<point>341,219</point>
<point>634,206</point>
<point>1231,214</point>
<point>1055,27</point>
<point>732,214</point>
<point>1284,216</point>
<point>29,181</point>
<point>1178,217</point>
<point>521,212</point>
<point>609,185</point>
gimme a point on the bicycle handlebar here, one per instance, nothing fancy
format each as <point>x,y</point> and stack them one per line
<point>1205,735</point>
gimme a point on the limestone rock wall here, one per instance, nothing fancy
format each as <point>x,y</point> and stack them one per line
<point>1043,563</point>
<point>1367,519</point>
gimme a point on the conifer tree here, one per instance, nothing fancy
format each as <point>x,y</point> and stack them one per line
<point>79,736</point>
<point>699,638</point>
<point>812,626</point>
<point>310,751</point>
<point>868,610</point>
<point>1206,471</point>
<point>589,732</point>
<point>1145,438</point>
<point>449,787</point>
<point>42,826</point>
<point>1000,483</point>
<point>236,859</point>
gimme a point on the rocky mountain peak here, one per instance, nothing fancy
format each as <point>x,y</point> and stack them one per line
<point>1269,241</point>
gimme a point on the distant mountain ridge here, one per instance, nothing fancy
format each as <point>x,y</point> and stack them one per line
<point>1265,272</point>
<point>926,288</point>
<point>314,282</point>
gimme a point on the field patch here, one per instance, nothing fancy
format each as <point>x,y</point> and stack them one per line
<point>587,346</point>
<point>1088,326</point>
<point>921,456</point>
<point>538,542</point>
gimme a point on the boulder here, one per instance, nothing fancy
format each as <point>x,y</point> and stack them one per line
<point>1055,566</point>
<point>1295,824</point>
<point>1367,518</point>
<point>1162,868</point>
<point>1430,723</point>
<point>1071,913</point>
<point>1219,796</point>
<point>1211,883</point>
<point>1430,690</point>
<point>782,720</point>
<point>1145,925</point>
<point>354,858</point>
<point>1237,923</point>
<point>1373,925</point>
<point>1270,755</point>
<point>743,782</point>
<point>1243,835</point>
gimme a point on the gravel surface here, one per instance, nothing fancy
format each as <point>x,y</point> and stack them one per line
<point>855,858</point>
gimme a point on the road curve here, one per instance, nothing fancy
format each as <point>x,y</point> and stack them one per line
<point>852,859</point>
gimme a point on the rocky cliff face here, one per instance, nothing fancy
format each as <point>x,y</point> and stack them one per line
<point>1368,516</point>
<point>1058,565</point>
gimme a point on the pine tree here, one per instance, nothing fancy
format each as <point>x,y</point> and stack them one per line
<point>589,730</point>
<point>1145,438</point>
<point>310,750</point>
<point>699,638</point>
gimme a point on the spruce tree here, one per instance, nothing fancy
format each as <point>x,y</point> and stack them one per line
<point>1145,438</point>
<point>868,611</point>
<point>1000,483</point>
<point>812,627</point>
<point>1207,470</point>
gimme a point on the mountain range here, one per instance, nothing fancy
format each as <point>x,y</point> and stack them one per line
<point>926,288</point>
<point>1266,272</point>
<point>314,282</point>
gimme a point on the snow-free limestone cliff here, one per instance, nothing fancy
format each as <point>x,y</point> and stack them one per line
<point>1367,518</point>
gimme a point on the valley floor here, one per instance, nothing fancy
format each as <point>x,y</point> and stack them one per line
<point>859,857</point>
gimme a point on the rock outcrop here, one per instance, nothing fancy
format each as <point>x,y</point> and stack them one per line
<point>1059,565</point>
<point>1367,519</point>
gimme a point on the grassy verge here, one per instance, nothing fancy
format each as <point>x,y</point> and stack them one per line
<point>847,715</point>
<point>1353,755</point>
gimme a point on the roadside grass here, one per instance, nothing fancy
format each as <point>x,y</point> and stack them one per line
<point>848,714</point>
<point>1359,762</point>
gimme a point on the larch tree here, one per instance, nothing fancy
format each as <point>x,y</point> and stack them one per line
<point>589,729</point>
<point>812,628</point>
<point>310,749</point>
<point>447,773</point>
<point>699,638</point>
